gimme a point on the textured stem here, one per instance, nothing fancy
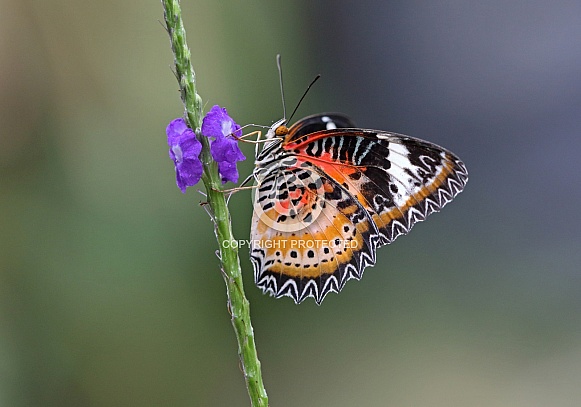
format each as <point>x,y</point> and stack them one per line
<point>237,303</point>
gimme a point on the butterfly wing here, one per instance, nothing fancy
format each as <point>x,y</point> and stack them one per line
<point>318,122</point>
<point>309,234</point>
<point>398,179</point>
<point>333,195</point>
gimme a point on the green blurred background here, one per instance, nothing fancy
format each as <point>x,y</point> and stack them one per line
<point>110,293</point>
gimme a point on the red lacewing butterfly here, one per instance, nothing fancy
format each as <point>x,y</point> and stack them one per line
<point>329,194</point>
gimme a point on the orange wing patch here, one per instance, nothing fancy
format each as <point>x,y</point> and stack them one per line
<point>318,249</point>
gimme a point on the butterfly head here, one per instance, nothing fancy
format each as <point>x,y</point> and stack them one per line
<point>271,141</point>
<point>277,130</point>
<point>281,131</point>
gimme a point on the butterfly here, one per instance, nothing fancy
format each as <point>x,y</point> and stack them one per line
<point>328,194</point>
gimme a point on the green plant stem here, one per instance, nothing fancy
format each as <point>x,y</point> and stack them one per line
<point>238,305</point>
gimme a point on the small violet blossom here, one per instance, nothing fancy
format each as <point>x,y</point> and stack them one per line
<point>184,150</point>
<point>224,148</point>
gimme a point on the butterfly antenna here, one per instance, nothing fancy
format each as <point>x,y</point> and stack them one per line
<point>279,65</point>
<point>304,94</point>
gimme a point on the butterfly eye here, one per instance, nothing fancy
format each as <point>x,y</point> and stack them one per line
<point>281,131</point>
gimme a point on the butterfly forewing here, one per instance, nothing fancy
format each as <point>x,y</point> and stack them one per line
<point>398,179</point>
<point>329,195</point>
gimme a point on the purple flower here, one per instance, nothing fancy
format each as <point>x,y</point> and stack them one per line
<point>184,150</point>
<point>218,124</point>
<point>228,171</point>
<point>224,148</point>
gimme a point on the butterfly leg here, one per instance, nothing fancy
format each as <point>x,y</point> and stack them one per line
<point>245,136</point>
<point>231,191</point>
<point>240,187</point>
<point>259,139</point>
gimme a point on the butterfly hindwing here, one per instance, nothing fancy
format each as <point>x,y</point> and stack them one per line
<point>313,248</point>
